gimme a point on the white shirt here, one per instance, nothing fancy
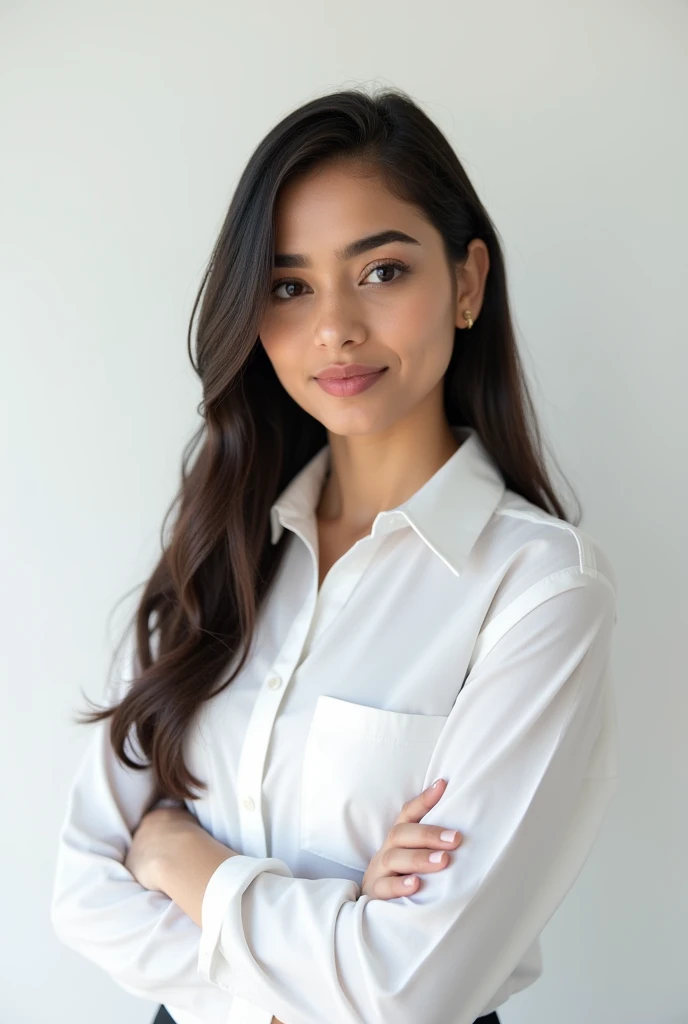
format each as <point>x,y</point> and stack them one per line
<point>467,637</point>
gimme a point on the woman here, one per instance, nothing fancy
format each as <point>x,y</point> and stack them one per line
<point>369,585</point>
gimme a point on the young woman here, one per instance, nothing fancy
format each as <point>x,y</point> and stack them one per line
<point>369,585</point>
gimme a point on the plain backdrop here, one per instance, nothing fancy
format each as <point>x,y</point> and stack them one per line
<point>123,128</point>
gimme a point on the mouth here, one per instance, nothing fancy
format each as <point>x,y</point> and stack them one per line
<point>351,376</point>
<point>362,372</point>
<point>354,385</point>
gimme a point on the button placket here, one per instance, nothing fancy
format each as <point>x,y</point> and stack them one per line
<point>251,768</point>
<point>316,615</point>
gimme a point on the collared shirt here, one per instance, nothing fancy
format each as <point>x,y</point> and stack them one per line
<point>467,637</point>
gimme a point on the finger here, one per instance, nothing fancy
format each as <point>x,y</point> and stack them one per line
<point>413,836</point>
<point>400,861</point>
<point>417,807</point>
<point>392,886</point>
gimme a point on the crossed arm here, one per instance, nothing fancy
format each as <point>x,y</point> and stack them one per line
<point>525,726</point>
<point>185,867</point>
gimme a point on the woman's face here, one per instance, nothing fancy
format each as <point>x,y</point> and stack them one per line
<point>389,305</point>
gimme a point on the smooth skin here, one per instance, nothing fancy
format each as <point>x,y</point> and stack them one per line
<point>397,305</point>
<point>407,849</point>
<point>387,441</point>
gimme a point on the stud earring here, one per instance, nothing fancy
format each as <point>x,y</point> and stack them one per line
<point>468,318</point>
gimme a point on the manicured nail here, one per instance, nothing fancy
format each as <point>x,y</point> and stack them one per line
<point>409,881</point>
<point>436,784</point>
<point>447,836</point>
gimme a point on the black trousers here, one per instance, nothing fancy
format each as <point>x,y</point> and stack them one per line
<point>163,1017</point>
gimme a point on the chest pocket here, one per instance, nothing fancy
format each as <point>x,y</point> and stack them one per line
<point>360,765</point>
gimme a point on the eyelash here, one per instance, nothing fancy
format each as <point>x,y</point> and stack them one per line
<point>397,264</point>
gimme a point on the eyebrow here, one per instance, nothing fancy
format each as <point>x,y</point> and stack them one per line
<point>356,248</point>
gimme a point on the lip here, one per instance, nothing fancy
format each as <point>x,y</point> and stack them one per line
<point>339,370</point>
<point>351,385</point>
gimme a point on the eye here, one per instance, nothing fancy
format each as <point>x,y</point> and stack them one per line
<point>403,268</point>
<point>286,283</point>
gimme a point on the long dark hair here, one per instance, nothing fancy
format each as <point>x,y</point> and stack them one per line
<point>198,608</point>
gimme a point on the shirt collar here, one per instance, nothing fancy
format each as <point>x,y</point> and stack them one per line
<point>448,512</point>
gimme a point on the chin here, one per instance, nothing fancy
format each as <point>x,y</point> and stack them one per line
<point>355,423</point>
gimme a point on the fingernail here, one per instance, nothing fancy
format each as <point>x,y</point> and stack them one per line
<point>409,881</point>
<point>447,836</point>
<point>436,784</point>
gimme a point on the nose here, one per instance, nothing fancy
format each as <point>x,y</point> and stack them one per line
<point>338,322</point>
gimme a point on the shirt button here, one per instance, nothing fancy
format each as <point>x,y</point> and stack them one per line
<point>249,804</point>
<point>274,682</point>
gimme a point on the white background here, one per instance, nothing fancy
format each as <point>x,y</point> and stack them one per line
<point>124,128</point>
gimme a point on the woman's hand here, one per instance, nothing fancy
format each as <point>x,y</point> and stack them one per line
<point>157,830</point>
<point>407,849</point>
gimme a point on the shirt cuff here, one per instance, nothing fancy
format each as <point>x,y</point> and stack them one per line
<point>227,883</point>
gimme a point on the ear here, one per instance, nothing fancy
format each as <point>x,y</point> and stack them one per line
<point>471,277</point>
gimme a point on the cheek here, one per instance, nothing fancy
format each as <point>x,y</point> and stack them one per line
<point>280,344</point>
<point>423,337</point>
<point>286,352</point>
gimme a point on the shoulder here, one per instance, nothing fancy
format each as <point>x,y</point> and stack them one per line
<point>529,557</point>
<point>529,547</point>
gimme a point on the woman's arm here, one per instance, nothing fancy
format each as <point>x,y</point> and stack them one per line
<point>172,853</point>
<point>140,938</point>
<point>527,754</point>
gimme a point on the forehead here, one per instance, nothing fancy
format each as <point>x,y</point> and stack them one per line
<point>330,205</point>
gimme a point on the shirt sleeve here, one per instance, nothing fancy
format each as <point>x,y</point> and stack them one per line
<point>140,937</point>
<point>526,755</point>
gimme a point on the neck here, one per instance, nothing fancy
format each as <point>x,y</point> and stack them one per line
<point>368,474</point>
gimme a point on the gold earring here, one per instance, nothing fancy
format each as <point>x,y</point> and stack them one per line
<point>468,318</point>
